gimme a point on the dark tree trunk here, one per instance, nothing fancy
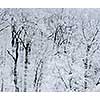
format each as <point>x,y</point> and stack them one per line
<point>70,83</point>
<point>15,68</point>
<point>86,61</point>
<point>2,86</point>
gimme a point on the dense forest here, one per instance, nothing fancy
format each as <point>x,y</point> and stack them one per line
<point>49,50</point>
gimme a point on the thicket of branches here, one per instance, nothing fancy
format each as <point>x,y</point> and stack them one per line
<point>49,49</point>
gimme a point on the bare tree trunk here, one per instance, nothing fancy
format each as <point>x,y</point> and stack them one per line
<point>86,61</point>
<point>15,68</point>
<point>15,65</point>
<point>2,85</point>
<point>15,78</point>
<point>26,67</point>
<point>38,76</point>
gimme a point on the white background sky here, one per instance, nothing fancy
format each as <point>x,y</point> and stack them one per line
<point>50,4</point>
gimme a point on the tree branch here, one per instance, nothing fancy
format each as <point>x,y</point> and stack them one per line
<point>4,28</point>
<point>62,78</point>
<point>11,55</point>
<point>22,42</point>
<point>95,35</point>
